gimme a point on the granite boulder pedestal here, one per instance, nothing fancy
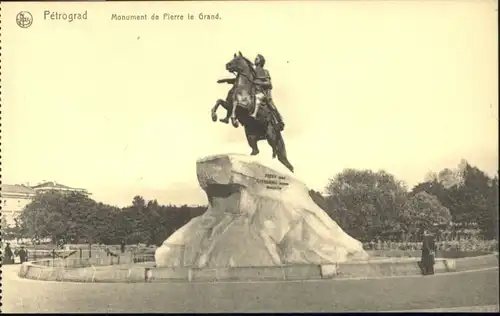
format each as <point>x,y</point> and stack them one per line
<point>259,214</point>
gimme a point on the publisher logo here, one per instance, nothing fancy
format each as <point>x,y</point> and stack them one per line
<point>24,19</point>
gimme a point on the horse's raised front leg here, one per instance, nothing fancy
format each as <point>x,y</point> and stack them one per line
<point>218,103</point>
<point>229,111</point>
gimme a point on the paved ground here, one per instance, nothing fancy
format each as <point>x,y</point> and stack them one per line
<point>471,309</point>
<point>478,290</point>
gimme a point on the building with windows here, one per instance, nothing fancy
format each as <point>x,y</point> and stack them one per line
<point>54,186</point>
<point>15,197</point>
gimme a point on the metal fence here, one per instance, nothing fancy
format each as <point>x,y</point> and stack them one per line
<point>96,253</point>
<point>457,245</point>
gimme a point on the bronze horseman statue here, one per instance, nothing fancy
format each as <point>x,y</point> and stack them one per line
<point>249,102</point>
<point>263,96</point>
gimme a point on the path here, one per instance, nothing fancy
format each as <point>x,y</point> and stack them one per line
<point>479,288</point>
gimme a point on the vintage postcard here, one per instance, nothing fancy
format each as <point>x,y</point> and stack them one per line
<point>249,156</point>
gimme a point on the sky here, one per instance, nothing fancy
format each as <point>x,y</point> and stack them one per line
<point>122,108</point>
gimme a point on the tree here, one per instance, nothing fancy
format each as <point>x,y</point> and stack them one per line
<point>470,200</point>
<point>11,232</point>
<point>106,224</point>
<point>44,217</point>
<point>423,211</point>
<point>138,202</point>
<point>366,204</point>
<point>76,218</point>
<point>470,195</point>
<point>489,219</point>
<point>72,217</point>
<point>137,217</point>
<point>156,226</point>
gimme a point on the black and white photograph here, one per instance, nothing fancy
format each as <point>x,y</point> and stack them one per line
<point>249,156</point>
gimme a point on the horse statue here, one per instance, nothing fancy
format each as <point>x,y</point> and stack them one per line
<point>240,102</point>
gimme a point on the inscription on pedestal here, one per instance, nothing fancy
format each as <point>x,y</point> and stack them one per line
<point>273,182</point>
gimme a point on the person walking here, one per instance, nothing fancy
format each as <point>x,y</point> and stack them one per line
<point>122,246</point>
<point>23,255</point>
<point>428,253</point>
<point>8,256</point>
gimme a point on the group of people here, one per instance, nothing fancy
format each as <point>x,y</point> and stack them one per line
<point>9,255</point>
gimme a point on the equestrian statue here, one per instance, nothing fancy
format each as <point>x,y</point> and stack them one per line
<point>250,103</point>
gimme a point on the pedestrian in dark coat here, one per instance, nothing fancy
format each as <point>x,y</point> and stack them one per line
<point>8,256</point>
<point>428,253</point>
<point>23,255</point>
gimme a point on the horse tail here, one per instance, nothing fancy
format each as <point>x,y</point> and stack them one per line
<point>280,144</point>
<point>281,150</point>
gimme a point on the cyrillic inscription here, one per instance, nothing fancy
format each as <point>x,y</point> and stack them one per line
<point>274,182</point>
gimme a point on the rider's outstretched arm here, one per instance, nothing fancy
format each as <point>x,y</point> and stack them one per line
<point>229,81</point>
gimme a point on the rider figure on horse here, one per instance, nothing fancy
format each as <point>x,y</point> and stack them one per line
<point>264,87</point>
<point>263,91</point>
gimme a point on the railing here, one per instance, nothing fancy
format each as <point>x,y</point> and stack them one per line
<point>134,252</point>
<point>35,254</point>
<point>82,262</point>
<point>140,258</point>
<point>456,245</point>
